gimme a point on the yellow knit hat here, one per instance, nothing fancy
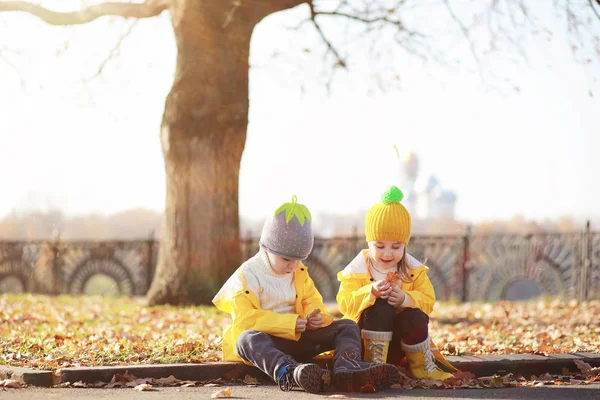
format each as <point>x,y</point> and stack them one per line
<point>388,220</point>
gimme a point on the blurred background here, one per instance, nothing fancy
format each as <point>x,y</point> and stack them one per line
<point>483,113</point>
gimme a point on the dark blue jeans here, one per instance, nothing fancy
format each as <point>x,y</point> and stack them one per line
<point>268,352</point>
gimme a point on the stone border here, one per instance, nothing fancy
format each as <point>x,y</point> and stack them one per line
<point>522,364</point>
<point>187,372</point>
<point>485,365</point>
<point>29,376</point>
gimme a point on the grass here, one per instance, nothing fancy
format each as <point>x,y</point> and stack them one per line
<point>54,332</point>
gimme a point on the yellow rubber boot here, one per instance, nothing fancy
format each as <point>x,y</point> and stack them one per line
<point>422,363</point>
<point>376,345</point>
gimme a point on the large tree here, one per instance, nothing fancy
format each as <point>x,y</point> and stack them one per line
<point>203,129</point>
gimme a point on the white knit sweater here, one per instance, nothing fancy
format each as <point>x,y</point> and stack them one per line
<point>275,292</point>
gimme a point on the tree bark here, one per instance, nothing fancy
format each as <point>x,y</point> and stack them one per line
<point>203,134</point>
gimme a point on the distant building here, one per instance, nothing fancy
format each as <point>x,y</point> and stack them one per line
<point>426,199</point>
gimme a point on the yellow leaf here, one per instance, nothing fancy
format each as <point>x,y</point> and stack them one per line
<point>221,393</point>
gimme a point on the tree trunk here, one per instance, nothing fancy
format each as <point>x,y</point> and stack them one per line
<point>203,135</point>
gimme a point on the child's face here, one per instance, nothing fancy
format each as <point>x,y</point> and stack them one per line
<point>282,266</point>
<point>387,253</point>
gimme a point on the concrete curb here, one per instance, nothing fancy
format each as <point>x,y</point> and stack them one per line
<point>524,364</point>
<point>188,372</point>
<point>29,376</point>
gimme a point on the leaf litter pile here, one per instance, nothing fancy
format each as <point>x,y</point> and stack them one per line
<point>56,332</point>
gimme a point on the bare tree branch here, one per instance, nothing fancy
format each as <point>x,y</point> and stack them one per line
<point>594,8</point>
<point>362,19</point>
<point>114,51</point>
<point>465,32</point>
<point>313,14</point>
<point>11,65</point>
<point>149,8</point>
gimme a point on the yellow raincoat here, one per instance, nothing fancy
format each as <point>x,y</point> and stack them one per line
<point>356,282</point>
<point>238,300</point>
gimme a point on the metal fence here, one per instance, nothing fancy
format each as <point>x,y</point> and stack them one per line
<point>465,268</point>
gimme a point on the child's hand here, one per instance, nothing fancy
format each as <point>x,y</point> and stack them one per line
<point>315,320</point>
<point>381,289</point>
<point>300,324</point>
<point>396,296</point>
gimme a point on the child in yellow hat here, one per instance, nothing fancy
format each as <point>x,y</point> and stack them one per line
<point>388,293</point>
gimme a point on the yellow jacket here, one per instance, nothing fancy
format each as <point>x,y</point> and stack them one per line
<point>354,294</point>
<point>236,298</point>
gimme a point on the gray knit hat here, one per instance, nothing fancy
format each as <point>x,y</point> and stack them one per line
<point>286,236</point>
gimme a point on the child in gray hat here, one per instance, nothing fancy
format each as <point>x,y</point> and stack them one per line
<point>279,321</point>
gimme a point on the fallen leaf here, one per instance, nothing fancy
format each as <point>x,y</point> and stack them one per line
<point>221,393</point>
<point>138,382</point>
<point>250,380</point>
<point>169,381</point>
<point>10,383</point>
<point>464,375</point>
<point>144,387</point>
<point>233,374</point>
<point>584,367</point>
<point>368,388</point>
<point>492,382</point>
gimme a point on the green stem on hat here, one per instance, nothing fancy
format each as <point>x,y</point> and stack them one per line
<point>392,195</point>
<point>300,211</point>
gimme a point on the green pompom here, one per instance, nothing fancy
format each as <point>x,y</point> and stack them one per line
<point>392,195</point>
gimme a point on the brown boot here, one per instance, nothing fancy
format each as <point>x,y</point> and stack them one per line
<point>350,373</point>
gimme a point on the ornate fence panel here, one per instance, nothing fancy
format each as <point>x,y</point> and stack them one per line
<point>593,266</point>
<point>18,264</point>
<point>469,267</point>
<point>552,262</point>
<point>127,263</point>
<point>444,257</point>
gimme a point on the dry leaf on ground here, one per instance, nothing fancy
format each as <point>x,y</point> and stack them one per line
<point>233,374</point>
<point>169,381</point>
<point>221,393</point>
<point>368,388</point>
<point>10,383</point>
<point>251,380</point>
<point>144,387</point>
<point>49,333</point>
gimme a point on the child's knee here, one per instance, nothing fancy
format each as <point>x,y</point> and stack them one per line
<point>381,309</point>
<point>246,339</point>
<point>413,317</point>
<point>347,324</point>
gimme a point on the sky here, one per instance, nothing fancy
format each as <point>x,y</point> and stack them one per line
<point>522,142</point>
